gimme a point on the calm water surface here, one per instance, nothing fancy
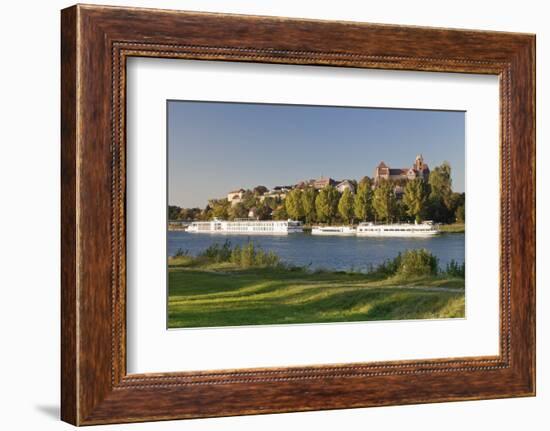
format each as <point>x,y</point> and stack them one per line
<point>337,253</point>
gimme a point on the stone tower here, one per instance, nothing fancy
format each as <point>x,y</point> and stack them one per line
<point>419,163</point>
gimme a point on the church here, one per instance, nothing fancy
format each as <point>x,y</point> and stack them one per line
<point>418,170</point>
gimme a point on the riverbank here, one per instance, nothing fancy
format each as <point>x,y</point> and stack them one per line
<point>446,228</point>
<point>453,228</point>
<point>208,294</point>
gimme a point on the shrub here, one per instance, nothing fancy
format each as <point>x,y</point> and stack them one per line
<point>180,252</point>
<point>387,268</point>
<point>218,253</point>
<point>267,259</point>
<point>245,256</point>
<point>417,263</point>
<point>236,255</point>
<point>455,269</point>
<point>249,255</point>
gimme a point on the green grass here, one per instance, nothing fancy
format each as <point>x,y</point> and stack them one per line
<point>453,228</point>
<point>203,294</point>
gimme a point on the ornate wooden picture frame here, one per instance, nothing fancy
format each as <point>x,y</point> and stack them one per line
<point>96,41</point>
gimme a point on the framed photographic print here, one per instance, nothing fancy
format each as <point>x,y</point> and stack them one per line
<point>307,249</point>
<point>268,215</point>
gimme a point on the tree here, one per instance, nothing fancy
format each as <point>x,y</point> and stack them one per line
<point>174,212</point>
<point>272,202</point>
<point>441,183</point>
<point>263,211</point>
<point>308,204</point>
<point>384,201</point>
<point>436,210</point>
<point>280,213</point>
<point>239,210</point>
<point>326,203</point>
<point>293,204</point>
<point>190,214</point>
<point>455,201</point>
<point>206,213</point>
<point>220,208</point>
<point>260,190</point>
<point>345,206</point>
<point>415,197</point>
<point>365,180</point>
<point>249,199</point>
<point>442,202</point>
<point>460,214</point>
<point>400,212</point>
<point>362,205</point>
<point>187,214</point>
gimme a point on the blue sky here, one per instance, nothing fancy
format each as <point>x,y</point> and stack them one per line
<point>216,147</point>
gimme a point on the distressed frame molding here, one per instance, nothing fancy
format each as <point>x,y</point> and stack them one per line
<point>96,41</point>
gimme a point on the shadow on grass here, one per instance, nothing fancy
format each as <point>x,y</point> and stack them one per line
<point>259,297</point>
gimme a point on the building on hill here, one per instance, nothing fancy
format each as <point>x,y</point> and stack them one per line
<point>235,196</point>
<point>322,182</point>
<point>317,184</point>
<point>277,192</point>
<point>305,184</point>
<point>418,170</point>
<point>282,189</point>
<point>345,185</point>
<point>253,213</point>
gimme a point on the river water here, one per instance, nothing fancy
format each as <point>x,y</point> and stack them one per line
<point>329,252</point>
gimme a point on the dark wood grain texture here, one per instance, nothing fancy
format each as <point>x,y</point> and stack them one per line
<point>69,367</point>
<point>95,42</point>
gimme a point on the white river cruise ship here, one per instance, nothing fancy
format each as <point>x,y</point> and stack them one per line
<point>425,229</point>
<point>333,230</point>
<point>247,227</point>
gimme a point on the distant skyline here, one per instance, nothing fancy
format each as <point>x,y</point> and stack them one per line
<point>216,147</point>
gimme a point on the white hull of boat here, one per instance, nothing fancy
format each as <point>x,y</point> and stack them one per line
<point>424,230</point>
<point>246,227</point>
<point>333,231</point>
<point>242,232</point>
<point>399,234</point>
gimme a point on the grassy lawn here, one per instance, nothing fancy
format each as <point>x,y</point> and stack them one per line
<point>452,228</point>
<point>209,294</point>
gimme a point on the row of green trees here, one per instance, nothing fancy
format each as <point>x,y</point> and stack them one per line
<point>421,200</point>
<point>328,205</point>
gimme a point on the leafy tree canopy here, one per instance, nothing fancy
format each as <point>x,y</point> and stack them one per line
<point>345,206</point>
<point>326,204</point>
<point>384,201</point>
<point>415,197</point>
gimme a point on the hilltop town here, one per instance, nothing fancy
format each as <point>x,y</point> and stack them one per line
<point>382,172</point>
<point>391,194</point>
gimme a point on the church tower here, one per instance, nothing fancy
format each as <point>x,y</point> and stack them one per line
<point>419,163</point>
